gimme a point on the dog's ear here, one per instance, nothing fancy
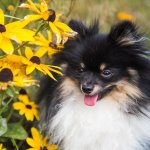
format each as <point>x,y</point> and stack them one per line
<point>82,30</point>
<point>125,34</point>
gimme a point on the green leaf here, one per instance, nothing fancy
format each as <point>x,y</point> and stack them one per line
<point>3,126</point>
<point>16,131</point>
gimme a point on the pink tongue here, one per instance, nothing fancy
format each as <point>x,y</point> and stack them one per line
<point>90,100</point>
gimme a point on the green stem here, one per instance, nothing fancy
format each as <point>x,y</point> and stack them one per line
<point>8,16</point>
<point>14,11</point>
<point>1,96</point>
<point>72,4</point>
<point>40,28</point>
<point>22,45</point>
<point>2,110</point>
<point>10,114</point>
<point>15,144</point>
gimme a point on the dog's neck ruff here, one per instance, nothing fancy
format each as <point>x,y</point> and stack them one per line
<point>101,127</point>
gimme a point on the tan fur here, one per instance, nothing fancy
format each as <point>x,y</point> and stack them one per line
<point>68,86</point>
<point>123,90</point>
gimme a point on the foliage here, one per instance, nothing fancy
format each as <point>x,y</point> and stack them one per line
<point>31,32</point>
<point>27,46</point>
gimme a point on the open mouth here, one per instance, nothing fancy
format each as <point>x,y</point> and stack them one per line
<point>90,100</point>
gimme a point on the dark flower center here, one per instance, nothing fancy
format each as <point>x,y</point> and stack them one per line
<point>29,106</point>
<point>43,148</point>
<point>52,15</point>
<point>35,59</point>
<point>53,45</point>
<point>22,92</point>
<point>6,75</point>
<point>2,28</point>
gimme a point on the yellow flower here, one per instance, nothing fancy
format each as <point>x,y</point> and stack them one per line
<point>43,12</point>
<point>38,142</point>
<point>125,16</point>
<point>10,77</point>
<point>27,108</point>
<point>33,62</point>
<point>10,7</point>
<point>1,147</point>
<point>15,68</point>
<point>12,61</point>
<point>6,78</point>
<point>13,31</point>
<point>47,45</point>
<point>23,81</point>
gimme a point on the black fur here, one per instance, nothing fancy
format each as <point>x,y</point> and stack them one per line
<point>122,48</point>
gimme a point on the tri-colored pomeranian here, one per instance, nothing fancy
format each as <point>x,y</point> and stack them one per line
<point>103,100</point>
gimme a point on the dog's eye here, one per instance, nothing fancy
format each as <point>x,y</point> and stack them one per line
<point>106,73</point>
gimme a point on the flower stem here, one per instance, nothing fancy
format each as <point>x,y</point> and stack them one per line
<point>14,11</point>
<point>2,110</point>
<point>15,144</point>
<point>22,45</point>
<point>8,16</point>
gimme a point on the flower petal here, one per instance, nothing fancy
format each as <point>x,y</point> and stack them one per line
<point>41,40</point>
<point>30,69</point>
<point>0,37</point>
<point>56,32</point>
<point>41,51</point>
<point>36,136</point>
<point>20,35</point>
<point>6,46</point>
<point>1,17</point>
<point>22,111</point>
<point>31,6</point>
<point>32,143</point>
<point>32,17</point>
<point>65,28</point>
<point>17,24</point>
<point>49,36</point>
<point>32,149</point>
<point>48,72</point>
<point>18,105</point>
<point>28,52</point>
<point>43,7</point>
<point>29,115</point>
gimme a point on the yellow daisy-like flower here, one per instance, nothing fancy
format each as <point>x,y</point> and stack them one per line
<point>6,78</point>
<point>125,16</point>
<point>33,62</point>
<point>1,147</point>
<point>38,142</point>
<point>12,61</point>
<point>27,108</point>
<point>47,45</point>
<point>10,77</point>
<point>13,31</point>
<point>43,12</point>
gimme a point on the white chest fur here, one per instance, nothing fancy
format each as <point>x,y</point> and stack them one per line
<point>100,127</point>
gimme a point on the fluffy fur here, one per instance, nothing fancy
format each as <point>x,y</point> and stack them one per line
<point>113,66</point>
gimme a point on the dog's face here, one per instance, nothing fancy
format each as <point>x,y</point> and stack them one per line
<point>105,65</point>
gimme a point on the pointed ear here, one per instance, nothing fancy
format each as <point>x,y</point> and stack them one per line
<point>125,34</point>
<point>84,31</point>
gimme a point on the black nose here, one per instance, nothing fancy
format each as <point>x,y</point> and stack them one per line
<point>87,89</point>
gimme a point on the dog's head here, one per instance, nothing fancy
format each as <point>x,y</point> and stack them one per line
<point>111,65</point>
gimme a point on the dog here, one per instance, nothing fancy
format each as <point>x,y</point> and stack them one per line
<point>102,102</point>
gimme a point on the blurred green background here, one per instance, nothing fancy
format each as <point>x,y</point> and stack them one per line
<point>87,10</point>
